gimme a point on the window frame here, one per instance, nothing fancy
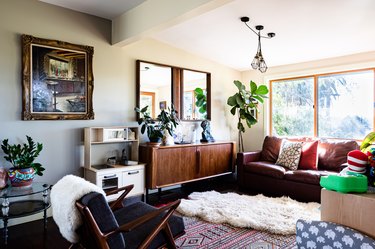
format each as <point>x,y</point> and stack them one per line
<point>315,85</point>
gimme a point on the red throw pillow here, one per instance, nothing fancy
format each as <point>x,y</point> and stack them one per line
<point>309,156</point>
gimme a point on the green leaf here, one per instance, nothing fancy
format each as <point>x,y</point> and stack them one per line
<point>202,109</point>
<point>240,101</point>
<point>262,90</point>
<point>232,100</point>
<point>144,109</point>
<point>143,128</point>
<point>260,99</point>
<point>239,85</point>
<point>198,91</point>
<point>199,102</point>
<point>253,87</point>
<point>233,110</point>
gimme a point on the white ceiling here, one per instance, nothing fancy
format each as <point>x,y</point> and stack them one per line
<point>305,30</point>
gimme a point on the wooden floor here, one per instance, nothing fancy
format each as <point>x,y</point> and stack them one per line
<point>32,235</point>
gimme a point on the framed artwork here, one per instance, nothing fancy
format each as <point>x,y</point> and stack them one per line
<point>162,105</point>
<point>57,80</point>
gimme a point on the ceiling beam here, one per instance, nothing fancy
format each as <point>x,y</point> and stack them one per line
<point>155,15</point>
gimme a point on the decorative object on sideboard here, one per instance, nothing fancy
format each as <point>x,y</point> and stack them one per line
<point>22,159</point>
<point>165,123</point>
<point>185,133</point>
<point>246,104</point>
<point>206,133</point>
<point>258,61</point>
<point>57,80</point>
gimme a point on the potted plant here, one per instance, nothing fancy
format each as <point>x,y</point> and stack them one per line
<point>157,128</point>
<point>245,103</point>
<point>22,158</point>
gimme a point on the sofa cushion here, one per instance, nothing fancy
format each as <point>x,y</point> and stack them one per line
<point>332,154</point>
<point>309,156</point>
<point>271,148</point>
<point>265,168</point>
<point>290,154</point>
<point>306,176</point>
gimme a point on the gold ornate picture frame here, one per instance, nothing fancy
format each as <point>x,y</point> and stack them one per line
<point>57,80</point>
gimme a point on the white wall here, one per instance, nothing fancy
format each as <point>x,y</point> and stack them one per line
<point>114,80</point>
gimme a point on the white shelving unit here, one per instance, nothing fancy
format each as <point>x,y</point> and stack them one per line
<point>101,143</point>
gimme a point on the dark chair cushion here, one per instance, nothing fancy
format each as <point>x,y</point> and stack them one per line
<point>266,169</point>
<point>307,176</point>
<point>105,219</point>
<point>136,236</point>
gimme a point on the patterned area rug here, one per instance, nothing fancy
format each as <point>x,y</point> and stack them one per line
<point>201,234</point>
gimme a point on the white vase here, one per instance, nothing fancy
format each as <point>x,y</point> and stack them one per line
<point>167,139</point>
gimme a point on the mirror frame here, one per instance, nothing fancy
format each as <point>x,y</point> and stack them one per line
<point>28,113</point>
<point>176,88</point>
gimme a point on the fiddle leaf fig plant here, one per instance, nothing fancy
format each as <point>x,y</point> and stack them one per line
<point>23,156</point>
<point>245,104</point>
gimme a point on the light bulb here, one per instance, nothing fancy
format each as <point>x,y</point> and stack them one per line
<point>255,63</point>
<point>262,65</point>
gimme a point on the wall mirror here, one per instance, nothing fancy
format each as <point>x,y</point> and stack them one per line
<point>155,87</point>
<point>159,85</point>
<point>57,79</point>
<point>194,86</point>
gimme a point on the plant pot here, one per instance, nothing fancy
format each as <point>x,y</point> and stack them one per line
<point>21,177</point>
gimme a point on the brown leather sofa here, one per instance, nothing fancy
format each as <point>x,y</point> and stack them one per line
<point>258,173</point>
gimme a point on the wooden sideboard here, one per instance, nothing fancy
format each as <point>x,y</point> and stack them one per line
<point>176,164</point>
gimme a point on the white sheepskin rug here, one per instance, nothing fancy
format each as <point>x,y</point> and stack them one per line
<point>64,195</point>
<point>275,215</point>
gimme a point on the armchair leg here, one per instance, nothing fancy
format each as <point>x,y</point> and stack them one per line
<point>163,226</point>
<point>169,236</point>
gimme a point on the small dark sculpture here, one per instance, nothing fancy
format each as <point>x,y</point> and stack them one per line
<point>206,133</point>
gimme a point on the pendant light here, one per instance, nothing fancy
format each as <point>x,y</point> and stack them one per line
<point>258,61</point>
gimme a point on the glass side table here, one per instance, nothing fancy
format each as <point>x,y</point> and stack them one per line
<point>20,208</point>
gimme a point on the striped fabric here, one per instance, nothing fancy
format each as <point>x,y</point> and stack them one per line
<point>357,161</point>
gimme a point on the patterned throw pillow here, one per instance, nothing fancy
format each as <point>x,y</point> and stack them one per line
<point>290,153</point>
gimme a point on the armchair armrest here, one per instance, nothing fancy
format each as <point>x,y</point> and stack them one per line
<point>246,157</point>
<point>118,202</point>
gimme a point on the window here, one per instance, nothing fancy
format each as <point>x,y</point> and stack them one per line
<point>344,101</point>
<point>293,107</point>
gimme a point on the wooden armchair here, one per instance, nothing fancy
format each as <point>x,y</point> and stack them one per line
<point>116,226</point>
